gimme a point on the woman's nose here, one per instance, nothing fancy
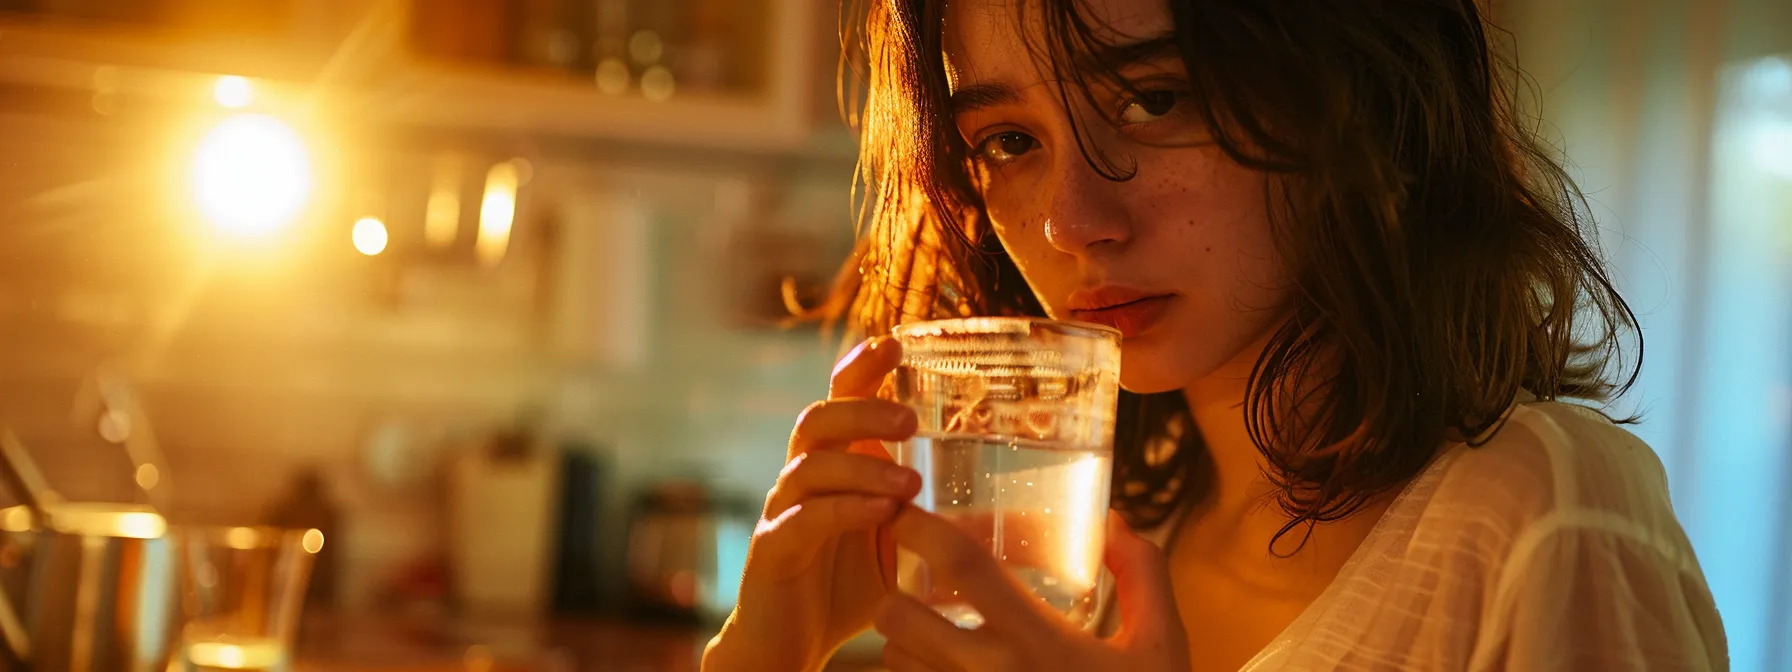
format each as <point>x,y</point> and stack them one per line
<point>1085,210</point>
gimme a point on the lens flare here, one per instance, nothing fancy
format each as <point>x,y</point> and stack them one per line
<point>233,92</point>
<point>251,175</point>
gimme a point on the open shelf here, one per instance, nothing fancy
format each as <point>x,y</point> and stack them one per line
<point>354,60</point>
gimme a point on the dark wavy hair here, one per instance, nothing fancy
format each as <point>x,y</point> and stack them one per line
<point>1441,258</point>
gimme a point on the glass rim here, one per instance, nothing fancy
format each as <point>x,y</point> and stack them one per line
<point>90,519</point>
<point>251,537</point>
<point>1001,325</point>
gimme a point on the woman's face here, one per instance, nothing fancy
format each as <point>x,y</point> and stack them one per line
<point>1180,258</point>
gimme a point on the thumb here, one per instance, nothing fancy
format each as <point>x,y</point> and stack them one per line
<point>1142,585</point>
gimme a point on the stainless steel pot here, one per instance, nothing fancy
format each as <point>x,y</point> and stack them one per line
<point>101,579</point>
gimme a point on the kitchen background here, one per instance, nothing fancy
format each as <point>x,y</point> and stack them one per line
<point>491,291</point>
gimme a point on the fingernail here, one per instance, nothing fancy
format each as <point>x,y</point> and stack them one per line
<point>879,505</point>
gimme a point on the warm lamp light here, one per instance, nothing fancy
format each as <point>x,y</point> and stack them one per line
<point>233,92</point>
<point>251,175</point>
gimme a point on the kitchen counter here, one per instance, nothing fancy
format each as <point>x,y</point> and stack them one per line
<point>368,642</point>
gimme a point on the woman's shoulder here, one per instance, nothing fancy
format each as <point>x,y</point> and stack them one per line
<point>1563,541</point>
<point>1553,467</point>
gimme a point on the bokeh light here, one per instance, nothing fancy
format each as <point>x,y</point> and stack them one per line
<point>497,211</point>
<point>148,476</point>
<point>313,541</point>
<point>369,236</point>
<point>657,84</point>
<point>241,538</point>
<point>612,76</point>
<point>233,92</point>
<point>441,216</point>
<point>234,656</point>
<point>646,47</point>
<point>251,175</point>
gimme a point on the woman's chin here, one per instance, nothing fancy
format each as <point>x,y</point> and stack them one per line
<point>1144,374</point>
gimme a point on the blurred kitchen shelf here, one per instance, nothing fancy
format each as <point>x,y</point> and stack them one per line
<point>348,61</point>
<point>443,98</point>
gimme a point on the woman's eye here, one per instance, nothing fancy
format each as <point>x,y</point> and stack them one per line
<point>1006,146</point>
<point>1148,106</point>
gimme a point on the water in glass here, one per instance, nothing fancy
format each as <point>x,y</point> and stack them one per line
<point>1015,446</point>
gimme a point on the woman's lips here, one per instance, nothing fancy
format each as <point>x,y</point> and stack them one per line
<point>1131,318</point>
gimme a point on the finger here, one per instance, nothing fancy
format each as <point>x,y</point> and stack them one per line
<point>832,424</point>
<point>961,564</point>
<point>790,540</point>
<point>921,633</point>
<point>862,371</point>
<point>898,659</point>
<point>817,473</point>
<point>1026,536</point>
<point>1141,583</point>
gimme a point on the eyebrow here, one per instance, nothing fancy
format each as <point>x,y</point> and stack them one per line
<point>980,96</point>
<point>990,94</point>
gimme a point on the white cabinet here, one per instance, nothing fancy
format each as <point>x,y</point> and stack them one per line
<point>749,86</point>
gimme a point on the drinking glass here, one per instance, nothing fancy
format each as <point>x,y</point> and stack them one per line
<point>243,591</point>
<point>1015,445</point>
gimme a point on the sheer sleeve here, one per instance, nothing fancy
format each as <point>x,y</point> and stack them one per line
<point>1602,595</point>
<point>1551,547</point>
<point>1606,579</point>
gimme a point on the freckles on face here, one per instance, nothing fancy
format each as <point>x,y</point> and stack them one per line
<point>1188,232</point>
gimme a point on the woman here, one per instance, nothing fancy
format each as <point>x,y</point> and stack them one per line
<point>1352,288</point>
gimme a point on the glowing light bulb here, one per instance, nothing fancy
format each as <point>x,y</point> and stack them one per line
<point>251,175</point>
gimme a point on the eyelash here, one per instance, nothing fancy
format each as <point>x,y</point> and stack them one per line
<point>1140,101</point>
<point>983,148</point>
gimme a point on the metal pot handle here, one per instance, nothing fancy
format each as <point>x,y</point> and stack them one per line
<point>20,475</point>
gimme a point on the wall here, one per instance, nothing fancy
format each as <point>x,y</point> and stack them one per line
<point>614,315</point>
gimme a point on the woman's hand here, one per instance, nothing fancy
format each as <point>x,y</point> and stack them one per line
<point>1020,632</point>
<point>813,576</point>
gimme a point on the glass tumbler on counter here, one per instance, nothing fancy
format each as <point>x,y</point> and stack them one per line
<point>1015,445</point>
<point>243,591</point>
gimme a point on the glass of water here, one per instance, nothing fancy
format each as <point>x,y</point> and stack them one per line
<point>1015,445</point>
<point>243,591</point>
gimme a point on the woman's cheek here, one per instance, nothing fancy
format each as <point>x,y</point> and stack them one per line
<point>1033,257</point>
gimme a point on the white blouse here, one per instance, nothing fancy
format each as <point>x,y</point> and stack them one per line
<point>1552,546</point>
